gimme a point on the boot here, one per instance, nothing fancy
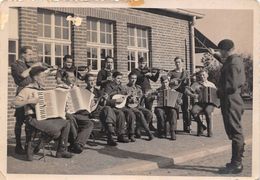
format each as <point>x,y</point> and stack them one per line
<point>63,154</point>
<point>110,131</point>
<point>111,142</point>
<point>173,135</point>
<point>137,133</point>
<point>132,138</point>
<point>232,168</point>
<point>151,127</point>
<point>29,153</point>
<point>62,149</point>
<point>19,149</point>
<point>77,148</point>
<point>122,138</point>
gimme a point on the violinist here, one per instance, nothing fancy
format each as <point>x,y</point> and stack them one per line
<point>143,80</point>
<point>20,72</point>
<point>105,75</point>
<point>69,67</point>
<point>179,80</point>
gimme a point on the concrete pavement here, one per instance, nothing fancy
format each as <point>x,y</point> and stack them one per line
<point>133,158</point>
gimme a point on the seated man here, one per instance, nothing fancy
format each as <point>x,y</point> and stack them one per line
<point>143,115</point>
<point>80,124</point>
<point>56,128</point>
<point>201,107</point>
<point>118,116</point>
<point>166,113</point>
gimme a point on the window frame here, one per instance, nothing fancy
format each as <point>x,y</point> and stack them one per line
<point>98,45</point>
<point>53,40</point>
<point>135,48</point>
<point>16,51</point>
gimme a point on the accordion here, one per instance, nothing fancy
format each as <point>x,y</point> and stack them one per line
<point>168,98</point>
<point>51,104</point>
<point>209,95</point>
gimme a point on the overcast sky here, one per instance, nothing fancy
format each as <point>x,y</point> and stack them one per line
<point>232,24</point>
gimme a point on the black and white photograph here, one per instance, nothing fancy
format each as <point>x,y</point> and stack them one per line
<point>135,92</point>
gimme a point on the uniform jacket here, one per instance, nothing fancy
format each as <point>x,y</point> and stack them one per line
<point>183,77</point>
<point>103,74</point>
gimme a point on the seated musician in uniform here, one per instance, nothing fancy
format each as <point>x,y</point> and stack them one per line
<point>81,125</point>
<point>69,67</point>
<point>123,115</point>
<point>201,107</point>
<point>166,114</point>
<point>57,128</point>
<point>143,116</point>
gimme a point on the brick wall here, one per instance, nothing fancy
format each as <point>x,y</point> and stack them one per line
<point>167,36</point>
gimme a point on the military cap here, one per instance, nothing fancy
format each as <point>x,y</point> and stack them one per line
<point>226,44</point>
<point>36,70</point>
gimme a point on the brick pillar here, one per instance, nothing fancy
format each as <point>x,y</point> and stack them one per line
<point>28,27</point>
<point>79,42</point>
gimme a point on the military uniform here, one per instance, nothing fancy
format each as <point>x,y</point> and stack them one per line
<point>143,116</point>
<point>184,80</point>
<point>102,76</point>
<point>231,80</point>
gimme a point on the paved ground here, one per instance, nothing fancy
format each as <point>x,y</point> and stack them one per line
<point>138,157</point>
<point>206,166</point>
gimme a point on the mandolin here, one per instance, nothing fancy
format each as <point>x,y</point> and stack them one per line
<point>122,104</point>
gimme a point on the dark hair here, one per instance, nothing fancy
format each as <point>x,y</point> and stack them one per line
<point>163,78</point>
<point>23,49</point>
<point>226,44</point>
<point>175,59</point>
<point>67,57</point>
<point>36,70</point>
<point>141,59</point>
<point>131,74</point>
<point>88,76</point>
<point>108,57</point>
<point>117,73</point>
<point>203,70</point>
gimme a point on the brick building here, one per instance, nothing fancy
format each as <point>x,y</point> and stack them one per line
<point>126,34</point>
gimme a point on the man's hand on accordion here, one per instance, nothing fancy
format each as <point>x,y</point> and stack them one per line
<point>33,100</point>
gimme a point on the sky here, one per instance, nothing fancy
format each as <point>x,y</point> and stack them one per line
<point>228,24</point>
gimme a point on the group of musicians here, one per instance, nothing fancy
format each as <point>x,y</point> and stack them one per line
<point>125,122</point>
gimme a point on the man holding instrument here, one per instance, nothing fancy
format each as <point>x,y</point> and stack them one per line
<point>229,89</point>
<point>56,128</point>
<point>20,72</point>
<point>143,116</point>
<point>179,80</point>
<point>144,75</point>
<point>205,108</point>
<point>166,114</point>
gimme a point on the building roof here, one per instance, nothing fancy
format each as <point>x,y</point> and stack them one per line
<point>186,13</point>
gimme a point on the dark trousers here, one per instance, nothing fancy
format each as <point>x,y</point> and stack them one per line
<point>57,129</point>
<point>166,114</point>
<point>143,118</point>
<point>185,112</point>
<point>83,127</point>
<point>205,109</point>
<point>232,111</point>
<point>148,102</point>
<point>20,118</point>
<point>130,120</point>
<point>112,116</point>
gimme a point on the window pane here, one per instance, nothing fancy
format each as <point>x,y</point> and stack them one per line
<point>132,65</point>
<point>65,33</point>
<point>89,61</point>
<point>88,36</point>
<point>65,22</point>
<point>65,50</point>
<point>47,60</point>
<point>40,58</point>
<point>139,40</point>
<point>11,59</point>
<point>132,41</point>
<point>88,52</point>
<point>102,38</point>
<point>94,37</point>
<point>94,52</point>
<point>40,18</point>
<point>144,33</point>
<point>103,27</point>
<point>57,20</point>
<point>40,30</point>
<point>88,24</point>
<point>47,19</point>
<point>58,61</point>
<point>132,31</point>
<point>103,54</point>
<point>47,48</point>
<point>94,64</point>
<point>139,33</point>
<point>93,25</point>
<point>103,64</point>
<point>144,43</point>
<point>109,27</point>
<point>57,32</point>
<point>132,56</point>
<point>47,31</point>
<point>109,52</point>
<point>40,49</point>
<point>109,39</point>
<point>140,55</point>
<point>129,66</point>
<point>12,47</point>
<point>57,50</point>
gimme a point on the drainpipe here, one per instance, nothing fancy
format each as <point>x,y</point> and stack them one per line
<point>192,44</point>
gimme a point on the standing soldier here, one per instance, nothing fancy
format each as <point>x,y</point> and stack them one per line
<point>143,80</point>
<point>180,78</point>
<point>20,72</point>
<point>231,80</point>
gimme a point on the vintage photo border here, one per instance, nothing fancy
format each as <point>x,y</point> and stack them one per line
<point>184,4</point>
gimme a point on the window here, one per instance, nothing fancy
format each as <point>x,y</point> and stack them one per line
<point>100,42</point>
<point>137,46</point>
<point>54,37</point>
<point>12,51</point>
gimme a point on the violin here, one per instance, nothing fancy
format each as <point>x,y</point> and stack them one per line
<point>153,70</point>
